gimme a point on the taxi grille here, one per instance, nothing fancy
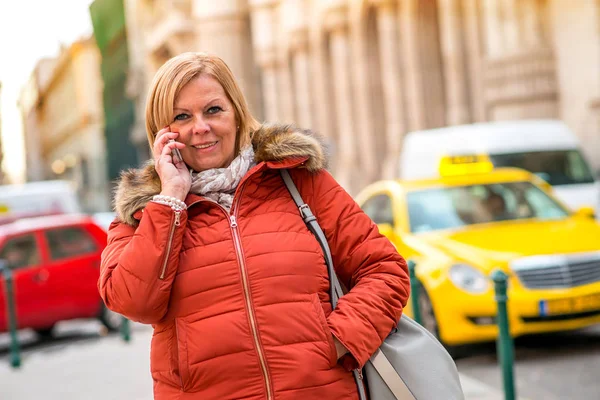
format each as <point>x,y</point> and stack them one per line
<point>560,271</point>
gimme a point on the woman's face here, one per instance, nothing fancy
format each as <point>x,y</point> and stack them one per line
<point>206,122</point>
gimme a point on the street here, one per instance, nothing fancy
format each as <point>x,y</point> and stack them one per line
<point>82,364</point>
<point>561,366</point>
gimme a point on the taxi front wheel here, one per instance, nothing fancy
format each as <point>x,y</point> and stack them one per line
<point>428,318</point>
<point>429,322</point>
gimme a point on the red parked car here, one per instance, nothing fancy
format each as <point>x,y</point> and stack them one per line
<point>55,262</point>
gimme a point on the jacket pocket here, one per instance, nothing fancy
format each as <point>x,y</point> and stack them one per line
<point>316,302</point>
<point>182,353</point>
<point>163,355</point>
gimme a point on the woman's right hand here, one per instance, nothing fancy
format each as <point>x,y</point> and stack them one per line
<point>174,177</point>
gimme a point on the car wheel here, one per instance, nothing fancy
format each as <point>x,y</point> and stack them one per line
<point>110,319</point>
<point>429,322</point>
<point>45,333</point>
<point>428,319</point>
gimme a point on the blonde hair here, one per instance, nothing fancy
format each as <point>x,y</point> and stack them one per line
<point>178,72</point>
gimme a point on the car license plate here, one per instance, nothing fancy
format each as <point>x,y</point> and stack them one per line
<point>570,305</point>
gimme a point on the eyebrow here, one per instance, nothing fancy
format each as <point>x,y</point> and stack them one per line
<point>211,101</point>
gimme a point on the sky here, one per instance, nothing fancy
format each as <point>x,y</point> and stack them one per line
<point>31,30</point>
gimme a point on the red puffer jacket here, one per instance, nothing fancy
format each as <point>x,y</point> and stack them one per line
<point>239,301</point>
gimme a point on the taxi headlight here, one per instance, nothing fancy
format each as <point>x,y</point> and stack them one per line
<point>468,278</point>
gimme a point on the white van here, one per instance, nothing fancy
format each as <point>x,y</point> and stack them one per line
<point>547,148</point>
<point>37,198</point>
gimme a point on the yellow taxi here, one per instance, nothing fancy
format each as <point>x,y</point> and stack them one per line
<point>473,219</point>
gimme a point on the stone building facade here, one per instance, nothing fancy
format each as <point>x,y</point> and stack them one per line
<point>63,122</point>
<point>365,72</point>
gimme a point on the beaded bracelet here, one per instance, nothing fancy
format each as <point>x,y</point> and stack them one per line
<point>174,203</point>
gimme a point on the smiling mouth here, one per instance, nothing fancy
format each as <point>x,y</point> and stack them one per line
<point>205,146</point>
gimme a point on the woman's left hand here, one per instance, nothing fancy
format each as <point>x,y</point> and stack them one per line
<point>339,348</point>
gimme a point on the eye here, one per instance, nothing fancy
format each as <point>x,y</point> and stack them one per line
<point>214,110</point>
<point>181,117</point>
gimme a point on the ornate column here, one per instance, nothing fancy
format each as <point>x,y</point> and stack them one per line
<point>453,54</point>
<point>362,112</point>
<point>301,78</point>
<point>412,74</point>
<point>270,89</point>
<point>285,88</point>
<point>395,126</point>
<point>510,25</point>
<point>263,41</point>
<point>531,25</point>
<point>474,55</point>
<point>493,32</point>
<point>322,98</point>
<point>339,48</point>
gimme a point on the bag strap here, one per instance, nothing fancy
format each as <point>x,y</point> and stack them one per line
<point>380,362</point>
<point>335,289</point>
<point>394,382</point>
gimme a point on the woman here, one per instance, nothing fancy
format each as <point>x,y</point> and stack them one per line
<point>211,251</point>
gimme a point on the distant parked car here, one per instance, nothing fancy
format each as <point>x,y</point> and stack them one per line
<point>34,199</point>
<point>55,262</point>
<point>547,148</point>
<point>104,219</point>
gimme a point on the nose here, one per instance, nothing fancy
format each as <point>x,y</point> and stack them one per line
<point>200,125</point>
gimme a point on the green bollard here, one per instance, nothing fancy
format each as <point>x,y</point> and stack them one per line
<point>504,345</point>
<point>415,287</point>
<point>125,330</point>
<point>15,355</point>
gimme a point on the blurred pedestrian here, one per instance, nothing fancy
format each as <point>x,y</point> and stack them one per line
<point>211,250</point>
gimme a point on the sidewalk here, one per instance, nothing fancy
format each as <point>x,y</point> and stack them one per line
<point>477,390</point>
<point>103,368</point>
<point>106,368</point>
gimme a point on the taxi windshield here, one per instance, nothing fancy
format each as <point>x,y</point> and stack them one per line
<point>453,207</point>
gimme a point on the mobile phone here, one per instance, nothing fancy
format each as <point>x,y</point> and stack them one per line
<point>175,153</point>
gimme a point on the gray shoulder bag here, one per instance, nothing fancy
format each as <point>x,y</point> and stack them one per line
<point>411,364</point>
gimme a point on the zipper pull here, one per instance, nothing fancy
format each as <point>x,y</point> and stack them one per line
<point>177,216</point>
<point>233,222</point>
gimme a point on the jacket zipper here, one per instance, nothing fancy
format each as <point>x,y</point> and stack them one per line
<point>170,243</point>
<point>358,376</point>
<point>178,356</point>
<point>261,355</point>
<point>240,256</point>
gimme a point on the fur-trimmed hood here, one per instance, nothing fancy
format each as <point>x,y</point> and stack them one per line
<point>271,142</point>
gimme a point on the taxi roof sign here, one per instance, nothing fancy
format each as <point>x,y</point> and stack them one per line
<point>465,164</point>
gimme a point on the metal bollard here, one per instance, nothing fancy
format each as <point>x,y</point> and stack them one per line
<point>504,344</point>
<point>415,287</point>
<point>125,330</point>
<point>15,354</point>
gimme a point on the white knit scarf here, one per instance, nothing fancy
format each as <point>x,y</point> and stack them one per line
<point>219,184</point>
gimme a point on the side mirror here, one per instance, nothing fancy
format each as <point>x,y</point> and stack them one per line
<point>542,180</point>
<point>386,230</point>
<point>546,186</point>
<point>586,212</point>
